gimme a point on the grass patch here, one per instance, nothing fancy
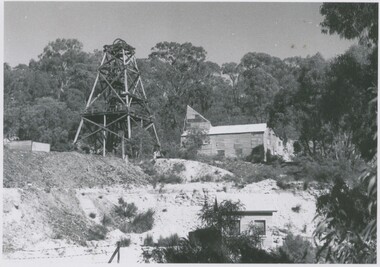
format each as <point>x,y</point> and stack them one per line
<point>148,241</point>
<point>169,241</point>
<point>98,232</point>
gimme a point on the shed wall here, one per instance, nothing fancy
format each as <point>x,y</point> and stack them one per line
<point>233,145</point>
<point>36,146</point>
<point>267,239</point>
<point>21,145</point>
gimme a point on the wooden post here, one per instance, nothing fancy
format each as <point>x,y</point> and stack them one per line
<point>104,136</point>
<point>117,251</point>
<point>122,147</point>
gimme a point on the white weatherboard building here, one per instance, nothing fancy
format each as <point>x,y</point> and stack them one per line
<point>235,140</point>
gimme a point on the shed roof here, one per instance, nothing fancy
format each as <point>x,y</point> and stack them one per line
<point>235,129</point>
<point>242,128</point>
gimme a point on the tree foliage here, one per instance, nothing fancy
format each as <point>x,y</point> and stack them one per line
<point>351,20</point>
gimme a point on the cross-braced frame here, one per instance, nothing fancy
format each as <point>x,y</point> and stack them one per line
<point>117,102</point>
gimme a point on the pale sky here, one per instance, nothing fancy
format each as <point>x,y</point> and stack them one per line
<point>226,31</point>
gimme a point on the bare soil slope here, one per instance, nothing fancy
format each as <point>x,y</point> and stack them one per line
<point>67,170</point>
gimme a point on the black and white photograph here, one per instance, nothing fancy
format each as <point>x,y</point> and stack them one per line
<point>189,132</point>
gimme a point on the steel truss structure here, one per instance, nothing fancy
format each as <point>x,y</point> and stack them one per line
<point>117,102</point>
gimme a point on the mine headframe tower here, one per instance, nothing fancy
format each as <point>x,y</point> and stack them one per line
<point>117,102</point>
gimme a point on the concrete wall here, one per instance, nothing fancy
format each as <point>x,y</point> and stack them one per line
<point>267,240</point>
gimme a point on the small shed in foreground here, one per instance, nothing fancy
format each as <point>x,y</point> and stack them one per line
<point>261,219</point>
<point>28,145</point>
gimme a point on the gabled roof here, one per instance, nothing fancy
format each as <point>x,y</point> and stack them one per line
<point>190,111</point>
<point>242,128</point>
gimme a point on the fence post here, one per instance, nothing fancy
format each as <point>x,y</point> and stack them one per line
<point>117,251</point>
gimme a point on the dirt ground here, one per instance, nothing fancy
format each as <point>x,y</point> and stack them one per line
<point>50,224</point>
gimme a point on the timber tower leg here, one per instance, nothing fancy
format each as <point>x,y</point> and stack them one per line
<point>117,102</point>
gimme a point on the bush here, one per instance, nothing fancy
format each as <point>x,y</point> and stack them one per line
<point>148,241</point>
<point>169,179</point>
<point>98,232</point>
<point>178,167</point>
<point>206,178</point>
<point>298,249</point>
<point>305,185</point>
<point>125,210</point>
<point>141,223</point>
<point>257,154</point>
<point>172,240</point>
<point>124,242</point>
<point>92,215</point>
<point>326,170</point>
<point>273,158</point>
<point>148,168</point>
<point>106,220</point>
<point>282,184</point>
<point>296,208</point>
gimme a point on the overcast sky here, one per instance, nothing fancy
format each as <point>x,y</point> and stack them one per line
<point>226,30</point>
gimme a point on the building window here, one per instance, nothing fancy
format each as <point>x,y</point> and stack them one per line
<point>221,153</point>
<point>260,227</point>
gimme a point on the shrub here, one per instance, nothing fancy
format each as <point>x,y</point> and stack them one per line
<point>125,210</point>
<point>305,185</point>
<point>296,208</point>
<point>178,167</point>
<point>298,249</point>
<point>257,154</point>
<point>229,178</point>
<point>169,241</point>
<point>148,168</point>
<point>148,241</point>
<point>206,178</point>
<point>282,184</point>
<point>98,232</point>
<point>273,158</point>
<point>170,178</point>
<point>124,242</point>
<point>141,223</point>
<point>106,220</point>
<point>92,215</point>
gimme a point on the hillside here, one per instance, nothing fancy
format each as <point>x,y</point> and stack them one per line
<point>57,200</point>
<point>67,170</point>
